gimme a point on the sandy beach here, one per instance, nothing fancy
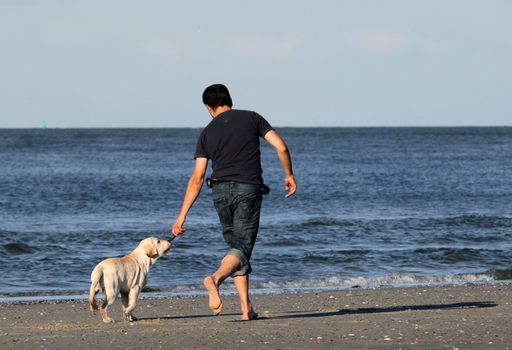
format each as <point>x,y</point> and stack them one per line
<point>453,317</point>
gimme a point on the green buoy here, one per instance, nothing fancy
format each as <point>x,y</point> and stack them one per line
<point>44,125</point>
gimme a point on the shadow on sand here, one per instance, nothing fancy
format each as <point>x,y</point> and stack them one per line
<point>341,312</point>
<point>183,317</point>
<point>374,310</point>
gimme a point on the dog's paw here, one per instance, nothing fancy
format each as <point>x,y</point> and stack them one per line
<point>130,318</point>
<point>108,320</point>
<point>93,308</point>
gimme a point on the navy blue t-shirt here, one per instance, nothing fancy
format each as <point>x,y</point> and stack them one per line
<point>231,141</point>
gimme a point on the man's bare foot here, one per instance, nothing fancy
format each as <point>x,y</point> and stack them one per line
<point>250,315</point>
<point>214,301</point>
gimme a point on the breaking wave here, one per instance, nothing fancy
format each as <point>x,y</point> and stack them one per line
<point>305,286</point>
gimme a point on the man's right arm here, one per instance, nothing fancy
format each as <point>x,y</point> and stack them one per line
<point>195,183</point>
<point>283,154</point>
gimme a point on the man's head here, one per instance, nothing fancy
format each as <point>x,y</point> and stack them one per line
<point>217,95</point>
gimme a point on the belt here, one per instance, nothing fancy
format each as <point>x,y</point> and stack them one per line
<point>210,182</point>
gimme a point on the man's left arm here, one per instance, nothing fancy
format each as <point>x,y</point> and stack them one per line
<point>195,183</point>
<point>285,158</point>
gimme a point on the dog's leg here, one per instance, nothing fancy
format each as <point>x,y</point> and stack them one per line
<point>96,286</point>
<point>132,302</point>
<point>92,299</point>
<point>110,297</point>
<point>124,300</point>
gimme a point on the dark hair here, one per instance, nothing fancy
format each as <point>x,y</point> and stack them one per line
<point>217,95</point>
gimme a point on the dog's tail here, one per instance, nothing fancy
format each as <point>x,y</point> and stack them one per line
<point>96,276</point>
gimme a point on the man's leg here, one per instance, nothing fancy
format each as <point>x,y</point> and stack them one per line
<point>246,219</point>
<point>239,215</point>
<point>242,287</point>
<point>228,265</point>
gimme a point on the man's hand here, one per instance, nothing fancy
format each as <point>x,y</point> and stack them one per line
<point>195,183</point>
<point>177,228</point>
<point>290,186</point>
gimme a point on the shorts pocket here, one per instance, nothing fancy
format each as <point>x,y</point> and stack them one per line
<point>248,205</point>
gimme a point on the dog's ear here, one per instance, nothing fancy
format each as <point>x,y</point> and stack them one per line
<point>150,250</point>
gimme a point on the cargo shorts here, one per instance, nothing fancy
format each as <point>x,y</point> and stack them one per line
<point>238,206</point>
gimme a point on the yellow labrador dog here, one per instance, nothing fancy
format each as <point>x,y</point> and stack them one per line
<point>126,275</point>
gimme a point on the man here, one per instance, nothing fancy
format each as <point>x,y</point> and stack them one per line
<point>231,141</point>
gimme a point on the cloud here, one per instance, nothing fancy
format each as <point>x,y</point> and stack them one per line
<point>268,47</point>
<point>377,41</point>
<point>160,47</point>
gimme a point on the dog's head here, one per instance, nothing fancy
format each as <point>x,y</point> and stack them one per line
<point>154,248</point>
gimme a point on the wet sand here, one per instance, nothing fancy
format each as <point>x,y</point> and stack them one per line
<point>452,317</point>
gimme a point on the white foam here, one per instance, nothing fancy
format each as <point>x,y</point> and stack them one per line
<point>277,287</point>
<point>393,280</point>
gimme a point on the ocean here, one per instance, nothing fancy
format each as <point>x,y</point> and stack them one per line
<point>375,207</point>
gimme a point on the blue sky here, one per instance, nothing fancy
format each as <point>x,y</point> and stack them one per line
<point>299,63</point>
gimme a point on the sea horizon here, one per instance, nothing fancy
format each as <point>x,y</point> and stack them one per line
<point>275,126</point>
